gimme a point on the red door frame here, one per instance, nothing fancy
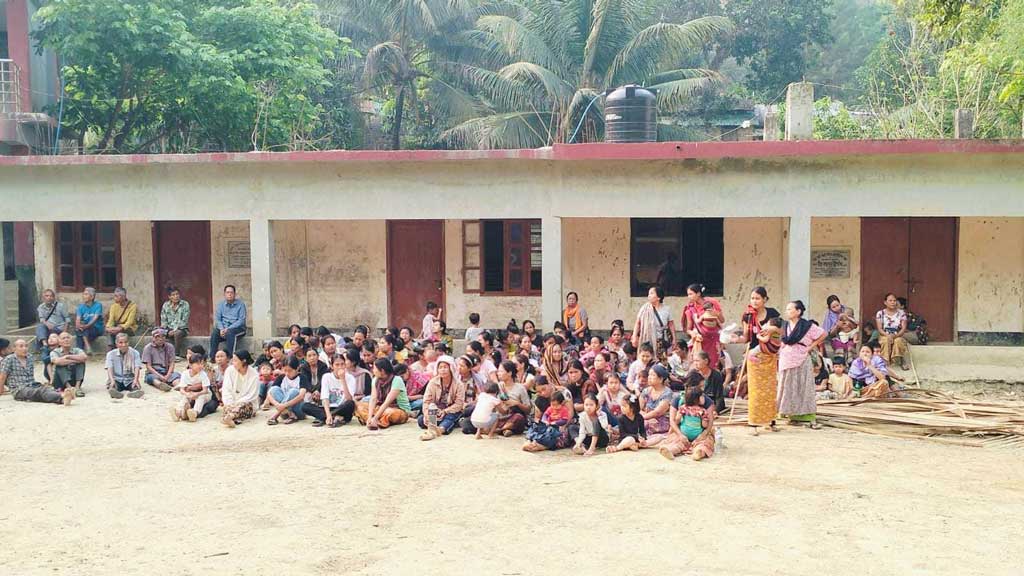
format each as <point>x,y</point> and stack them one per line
<point>158,294</point>
<point>389,266</point>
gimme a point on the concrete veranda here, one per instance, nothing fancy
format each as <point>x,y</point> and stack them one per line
<point>106,487</point>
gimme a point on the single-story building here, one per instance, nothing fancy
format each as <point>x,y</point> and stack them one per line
<point>343,238</point>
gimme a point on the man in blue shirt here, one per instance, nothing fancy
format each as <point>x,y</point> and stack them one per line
<point>228,322</point>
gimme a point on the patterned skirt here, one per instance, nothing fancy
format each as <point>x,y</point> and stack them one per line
<point>761,384</point>
<point>796,390</point>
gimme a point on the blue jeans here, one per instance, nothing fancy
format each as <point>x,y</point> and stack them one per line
<point>446,424</point>
<point>229,339</point>
<point>174,376</point>
<point>92,333</point>
<point>416,404</point>
<point>42,333</point>
<point>282,397</point>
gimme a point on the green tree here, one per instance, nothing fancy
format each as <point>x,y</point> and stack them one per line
<point>536,68</point>
<point>181,75</point>
<point>773,38</point>
<point>399,39</point>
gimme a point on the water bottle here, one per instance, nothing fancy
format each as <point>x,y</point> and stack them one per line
<point>432,415</point>
<point>719,439</point>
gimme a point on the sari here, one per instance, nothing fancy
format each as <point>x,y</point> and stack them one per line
<point>762,377</point>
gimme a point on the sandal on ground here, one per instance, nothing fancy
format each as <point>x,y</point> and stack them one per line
<point>289,419</point>
<point>318,423</point>
<point>336,423</point>
<point>272,422</point>
<point>814,426</point>
<point>506,433</point>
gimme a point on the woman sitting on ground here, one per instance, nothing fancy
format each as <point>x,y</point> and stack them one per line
<point>288,393</point>
<point>525,372</point>
<point>554,366</point>
<point>357,375</point>
<point>870,375</point>
<point>241,390</point>
<point>693,430</point>
<point>444,400</point>
<point>314,368</point>
<point>388,404</point>
<point>891,322</point>
<point>336,401</point>
<point>655,405</point>
<point>578,385</point>
<point>713,383</point>
<point>551,432</point>
<point>515,401</point>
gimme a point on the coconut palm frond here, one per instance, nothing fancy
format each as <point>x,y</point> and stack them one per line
<point>505,130</point>
<point>673,94</point>
<point>540,77</point>
<point>512,38</point>
<point>664,44</point>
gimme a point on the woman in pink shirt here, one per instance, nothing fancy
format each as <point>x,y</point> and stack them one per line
<point>796,381</point>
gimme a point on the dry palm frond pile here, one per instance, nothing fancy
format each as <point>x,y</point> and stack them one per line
<point>921,413</point>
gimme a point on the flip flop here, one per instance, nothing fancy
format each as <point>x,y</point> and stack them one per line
<point>336,423</point>
<point>318,423</point>
<point>272,422</point>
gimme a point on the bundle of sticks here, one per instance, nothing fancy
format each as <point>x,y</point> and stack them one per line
<point>920,413</point>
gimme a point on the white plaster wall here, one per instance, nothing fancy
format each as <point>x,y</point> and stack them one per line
<point>44,234</point>
<point>754,256</point>
<point>330,272</point>
<point>833,233</point>
<point>137,268</point>
<point>990,278</point>
<point>596,265</point>
<point>495,311</point>
<point>220,274</point>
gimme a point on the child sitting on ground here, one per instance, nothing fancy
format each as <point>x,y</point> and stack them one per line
<point>631,425</point>
<point>692,431</point>
<point>769,340</point>
<point>194,386</point>
<point>679,362</point>
<point>610,396</point>
<point>485,414</point>
<point>594,428</point>
<point>839,385</point>
<point>267,378</point>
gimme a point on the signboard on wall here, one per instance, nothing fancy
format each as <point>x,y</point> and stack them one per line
<point>831,262</point>
<point>238,254</point>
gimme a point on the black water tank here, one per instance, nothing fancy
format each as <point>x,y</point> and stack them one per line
<point>631,115</point>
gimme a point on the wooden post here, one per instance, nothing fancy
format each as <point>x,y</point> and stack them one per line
<point>963,125</point>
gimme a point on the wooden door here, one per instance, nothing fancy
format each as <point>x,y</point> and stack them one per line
<point>914,258</point>
<point>884,250</point>
<point>931,290</point>
<point>181,257</point>
<point>415,270</point>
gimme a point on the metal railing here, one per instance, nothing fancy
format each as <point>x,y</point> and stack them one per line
<point>10,87</point>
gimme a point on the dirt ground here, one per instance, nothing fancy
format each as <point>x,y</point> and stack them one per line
<point>115,487</point>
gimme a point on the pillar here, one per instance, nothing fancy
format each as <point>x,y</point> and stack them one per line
<point>3,289</point>
<point>963,125</point>
<point>261,247</point>
<point>799,258</point>
<point>551,271</point>
<point>771,126</point>
<point>800,111</point>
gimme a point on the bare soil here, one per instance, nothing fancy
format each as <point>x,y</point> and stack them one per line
<point>116,487</point>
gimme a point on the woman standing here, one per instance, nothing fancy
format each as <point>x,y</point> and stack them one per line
<point>703,319</point>
<point>575,318</point>
<point>797,399</point>
<point>762,375</point>
<point>241,390</point>
<point>654,324</point>
<point>891,322</point>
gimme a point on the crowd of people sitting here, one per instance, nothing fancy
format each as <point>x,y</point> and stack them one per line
<point>569,388</point>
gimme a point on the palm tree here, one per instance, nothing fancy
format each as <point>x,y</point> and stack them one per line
<point>537,67</point>
<point>397,39</point>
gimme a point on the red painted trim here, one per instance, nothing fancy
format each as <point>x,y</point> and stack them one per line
<point>19,47</point>
<point>560,152</point>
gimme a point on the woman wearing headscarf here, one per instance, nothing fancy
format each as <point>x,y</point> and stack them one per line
<point>797,399</point>
<point>444,399</point>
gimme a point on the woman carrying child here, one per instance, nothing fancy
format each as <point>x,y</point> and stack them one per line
<point>693,430</point>
<point>515,401</point>
<point>703,319</point>
<point>761,366</point>
<point>551,432</point>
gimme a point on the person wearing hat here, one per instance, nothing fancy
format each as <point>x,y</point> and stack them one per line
<point>158,360</point>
